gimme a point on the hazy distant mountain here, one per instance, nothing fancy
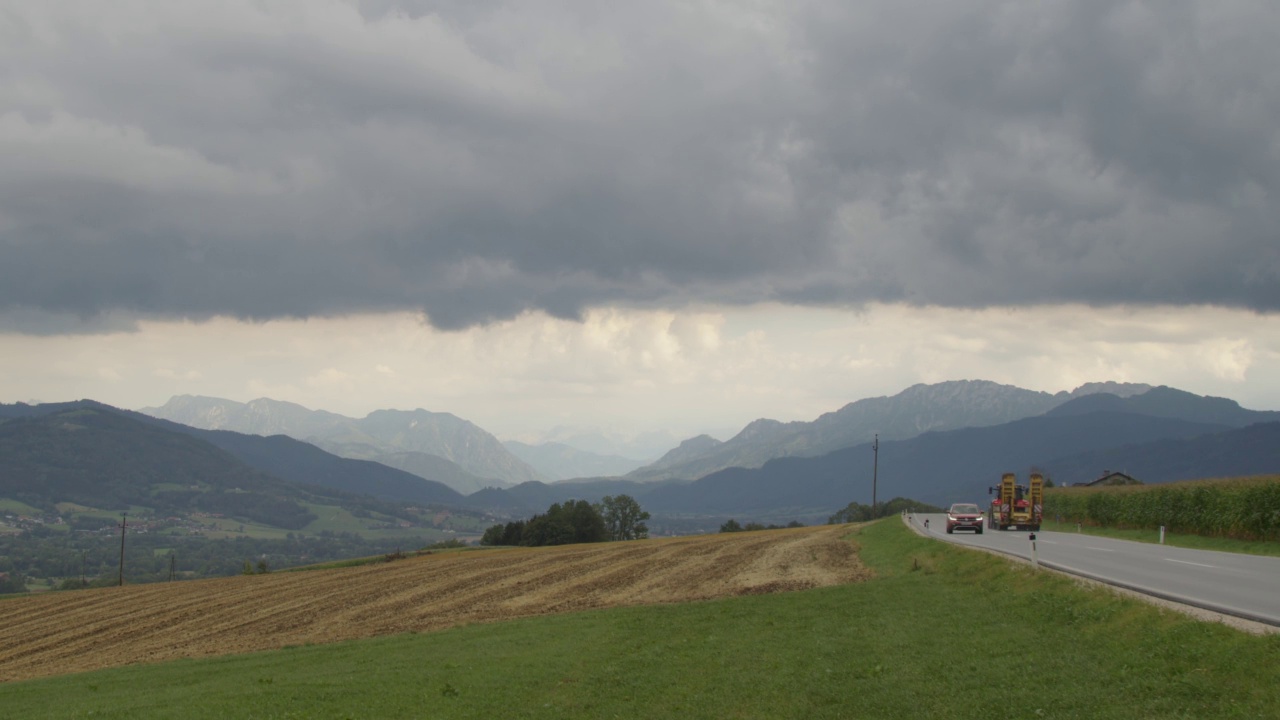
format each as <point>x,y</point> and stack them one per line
<point>281,457</point>
<point>98,457</point>
<point>558,461</point>
<point>1171,403</point>
<point>257,417</point>
<point>304,463</point>
<point>381,435</point>
<point>1159,436</point>
<point>686,454</point>
<point>426,465</point>
<point>936,467</point>
<point>918,409</point>
<point>642,446</point>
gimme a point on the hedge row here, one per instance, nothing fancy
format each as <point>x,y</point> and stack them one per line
<point>1243,508</point>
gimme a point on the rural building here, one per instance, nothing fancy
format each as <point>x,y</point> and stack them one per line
<point>1114,478</point>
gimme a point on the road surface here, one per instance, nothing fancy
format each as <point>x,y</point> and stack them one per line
<point>1245,586</point>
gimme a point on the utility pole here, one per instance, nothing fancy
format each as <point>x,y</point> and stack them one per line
<point>875,469</point>
<point>124,522</point>
<point>172,560</point>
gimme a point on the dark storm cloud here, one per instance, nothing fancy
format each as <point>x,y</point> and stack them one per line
<point>474,160</point>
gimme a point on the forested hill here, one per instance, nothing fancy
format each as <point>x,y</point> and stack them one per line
<point>284,458</point>
<point>95,457</point>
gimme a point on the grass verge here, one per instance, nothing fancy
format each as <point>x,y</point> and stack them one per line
<point>942,632</point>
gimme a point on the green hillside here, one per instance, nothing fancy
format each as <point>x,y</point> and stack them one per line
<point>194,510</point>
<point>101,459</point>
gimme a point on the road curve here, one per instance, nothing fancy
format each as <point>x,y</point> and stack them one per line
<point>1243,586</point>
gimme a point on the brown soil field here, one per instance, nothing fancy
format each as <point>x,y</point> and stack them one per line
<point>65,632</point>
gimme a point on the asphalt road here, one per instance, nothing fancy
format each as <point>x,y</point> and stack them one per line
<point>1246,586</point>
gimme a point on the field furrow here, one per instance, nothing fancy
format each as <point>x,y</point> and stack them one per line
<point>66,632</point>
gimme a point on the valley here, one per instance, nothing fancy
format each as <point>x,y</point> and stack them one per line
<point>68,471</point>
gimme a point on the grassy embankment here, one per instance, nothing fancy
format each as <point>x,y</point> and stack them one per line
<point>942,633</point>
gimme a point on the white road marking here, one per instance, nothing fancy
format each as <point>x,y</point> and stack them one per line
<point>1086,547</point>
<point>1188,562</point>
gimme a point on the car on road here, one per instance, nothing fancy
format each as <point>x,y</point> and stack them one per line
<point>964,516</point>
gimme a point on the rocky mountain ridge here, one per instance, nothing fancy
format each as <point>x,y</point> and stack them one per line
<point>381,436</point>
<point>918,409</point>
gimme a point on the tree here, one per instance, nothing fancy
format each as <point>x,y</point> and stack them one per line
<point>624,518</point>
<point>492,536</point>
<point>576,521</point>
<point>730,525</point>
<point>509,534</point>
<point>12,582</point>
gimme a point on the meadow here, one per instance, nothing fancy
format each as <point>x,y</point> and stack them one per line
<point>925,629</point>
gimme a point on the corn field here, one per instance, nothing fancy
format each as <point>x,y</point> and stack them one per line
<point>1241,508</point>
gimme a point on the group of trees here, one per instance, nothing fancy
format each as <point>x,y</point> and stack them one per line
<point>732,525</point>
<point>622,518</point>
<point>857,512</point>
<point>575,521</point>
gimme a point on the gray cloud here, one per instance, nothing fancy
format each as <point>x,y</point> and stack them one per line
<point>474,160</point>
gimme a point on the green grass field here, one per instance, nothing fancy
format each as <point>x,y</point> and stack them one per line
<point>16,507</point>
<point>328,518</point>
<point>942,632</point>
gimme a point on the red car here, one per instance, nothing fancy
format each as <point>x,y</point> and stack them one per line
<point>964,516</point>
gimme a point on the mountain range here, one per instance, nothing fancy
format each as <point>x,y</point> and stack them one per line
<point>97,458</point>
<point>436,446</point>
<point>277,457</point>
<point>1074,442</point>
<point>916,410</point>
<point>972,432</point>
<point>448,449</point>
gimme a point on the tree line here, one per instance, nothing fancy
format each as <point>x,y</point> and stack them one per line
<point>732,525</point>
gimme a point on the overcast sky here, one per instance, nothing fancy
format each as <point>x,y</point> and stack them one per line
<point>651,215</point>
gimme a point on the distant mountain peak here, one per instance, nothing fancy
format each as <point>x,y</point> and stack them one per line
<point>918,409</point>
<point>756,428</point>
<point>378,436</point>
<point>1118,389</point>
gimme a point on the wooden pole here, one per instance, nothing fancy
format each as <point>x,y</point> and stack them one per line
<point>124,522</point>
<point>875,469</point>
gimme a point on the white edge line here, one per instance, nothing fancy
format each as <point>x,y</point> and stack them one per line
<point>1188,562</point>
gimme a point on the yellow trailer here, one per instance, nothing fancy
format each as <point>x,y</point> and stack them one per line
<point>1017,506</point>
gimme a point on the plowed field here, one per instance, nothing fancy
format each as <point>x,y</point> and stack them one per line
<point>69,632</point>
